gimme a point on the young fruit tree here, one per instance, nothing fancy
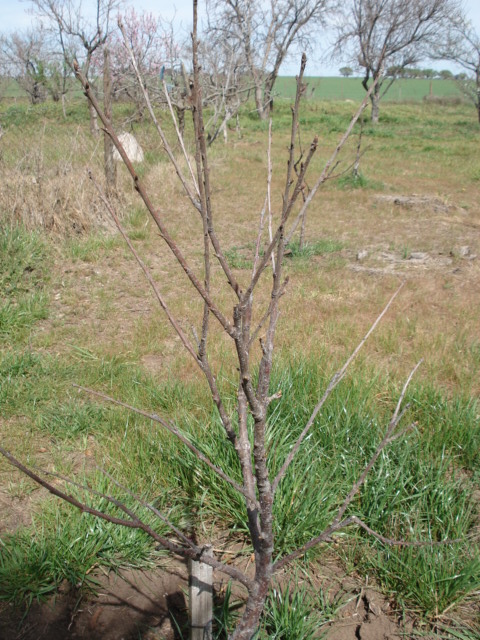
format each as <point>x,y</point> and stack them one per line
<point>249,330</point>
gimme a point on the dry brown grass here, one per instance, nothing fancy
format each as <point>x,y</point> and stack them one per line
<point>421,149</point>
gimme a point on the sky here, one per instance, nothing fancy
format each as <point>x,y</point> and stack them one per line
<point>15,16</point>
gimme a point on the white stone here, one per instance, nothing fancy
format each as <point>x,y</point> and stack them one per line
<point>133,150</point>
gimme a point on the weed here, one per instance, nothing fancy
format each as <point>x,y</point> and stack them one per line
<point>357,180</point>
<point>236,258</point>
<point>315,248</point>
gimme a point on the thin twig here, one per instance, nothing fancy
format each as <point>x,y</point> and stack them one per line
<point>120,505</point>
<point>267,312</point>
<point>333,383</point>
<point>186,342</point>
<point>153,211</point>
<point>326,536</point>
<point>325,173</point>
<point>180,138</point>
<point>269,188</point>
<point>133,523</point>
<point>174,430</point>
<point>151,508</point>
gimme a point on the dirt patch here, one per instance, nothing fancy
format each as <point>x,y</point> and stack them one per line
<point>133,605</point>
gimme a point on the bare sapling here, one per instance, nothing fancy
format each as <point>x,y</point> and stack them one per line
<point>250,331</point>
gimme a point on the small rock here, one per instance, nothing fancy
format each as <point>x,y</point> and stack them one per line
<point>374,608</point>
<point>464,251</point>
<point>361,255</point>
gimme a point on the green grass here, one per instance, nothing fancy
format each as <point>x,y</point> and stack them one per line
<point>358,181</point>
<point>64,545</point>
<point>319,88</point>
<point>24,263</point>
<point>410,494</point>
<point>313,248</point>
<point>295,613</point>
<point>91,247</point>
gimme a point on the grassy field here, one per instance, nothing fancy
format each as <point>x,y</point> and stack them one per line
<point>407,90</point>
<point>75,309</point>
<point>328,88</point>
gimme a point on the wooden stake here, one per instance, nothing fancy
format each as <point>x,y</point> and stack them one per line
<point>201,600</point>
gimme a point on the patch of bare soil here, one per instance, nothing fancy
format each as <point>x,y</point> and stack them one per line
<point>131,606</point>
<point>366,617</point>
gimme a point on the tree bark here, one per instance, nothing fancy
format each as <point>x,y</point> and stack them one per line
<point>250,621</point>
<point>261,108</point>
<point>375,109</point>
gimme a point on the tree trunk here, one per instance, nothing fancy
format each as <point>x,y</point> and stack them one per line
<point>374,96</point>
<point>247,627</point>
<point>94,129</point>
<point>110,165</point>
<point>262,110</point>
<point>375,100</point>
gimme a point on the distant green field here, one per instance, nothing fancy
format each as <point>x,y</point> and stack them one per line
<point>322,89</point>
<point>352,89</point>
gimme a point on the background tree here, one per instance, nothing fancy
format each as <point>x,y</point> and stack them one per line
<point>154,48</point>
<point>226,84</point>
<point>346,72</point>
<point>463,48</point>
<point>396,33</point>
<point>266,33</point>
<point>78,35</point>
<point>25,57</point>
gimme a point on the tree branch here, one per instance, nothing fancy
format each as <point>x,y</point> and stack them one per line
<point>175,431</point>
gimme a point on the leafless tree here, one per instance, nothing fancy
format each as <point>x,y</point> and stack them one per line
<point>156,51</point>
<point>250,330</point>
<point>79,36</point>
<point>25,57</point>
<point>266,33</point>
<point>463,48</point>
<point>226,84</point>
<point>399,33</point>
